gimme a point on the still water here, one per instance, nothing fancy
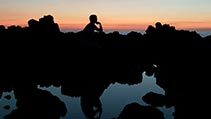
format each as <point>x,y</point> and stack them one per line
<point>113,99</point>
<point>201,32</point>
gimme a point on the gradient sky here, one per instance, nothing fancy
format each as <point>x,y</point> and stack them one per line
<point>114,14</point>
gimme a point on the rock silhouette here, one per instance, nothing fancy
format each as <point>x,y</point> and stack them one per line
<point>41,54</point>
<point>156,100</point>
<point>136,111</point>
<point>39,104</point>
<point>33,102</point>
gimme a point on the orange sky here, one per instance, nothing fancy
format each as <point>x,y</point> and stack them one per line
<point>113,14</point>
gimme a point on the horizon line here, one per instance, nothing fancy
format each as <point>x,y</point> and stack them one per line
<point>114,27</point>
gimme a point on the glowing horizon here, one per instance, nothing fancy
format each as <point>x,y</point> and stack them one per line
<point>116,15</point>
<point>123,26</point>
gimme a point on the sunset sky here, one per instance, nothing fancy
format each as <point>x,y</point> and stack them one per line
<point>113,14</point>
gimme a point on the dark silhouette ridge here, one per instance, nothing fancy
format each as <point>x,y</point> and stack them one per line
<point>45,24</point>
<point>42,55</point>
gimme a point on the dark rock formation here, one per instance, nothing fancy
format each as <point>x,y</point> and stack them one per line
<point>136,111</point>
<point>42,55</point>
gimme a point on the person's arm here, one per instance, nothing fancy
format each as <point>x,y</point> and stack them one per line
<point>100,29</point>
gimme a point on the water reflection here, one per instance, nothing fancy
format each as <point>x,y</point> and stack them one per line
<point>7,102</point>
<point>113,99</point>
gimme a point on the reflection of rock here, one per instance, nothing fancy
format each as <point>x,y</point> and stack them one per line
<point>154,99</point>
<point>136,111</point>
<point>91,106</point>
<point>8,97</point>
<point>38,104</point>
<point>7,107</point>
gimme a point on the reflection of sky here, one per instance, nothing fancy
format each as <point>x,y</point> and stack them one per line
<point>114,98</point>
<point>4,102</point>
<point>117,96</point>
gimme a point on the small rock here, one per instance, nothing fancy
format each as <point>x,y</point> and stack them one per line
<point>7,107</point>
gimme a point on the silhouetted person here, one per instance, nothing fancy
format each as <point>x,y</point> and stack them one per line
<point>92,26</point>
<point>90,34</point>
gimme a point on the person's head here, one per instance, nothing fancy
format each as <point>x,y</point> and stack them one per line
<point>93,18</point>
